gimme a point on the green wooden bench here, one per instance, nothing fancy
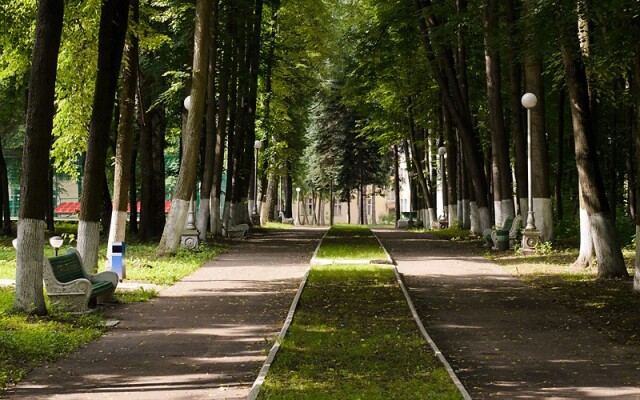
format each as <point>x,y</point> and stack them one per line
<point>511,226</point>
<point>70,288</point>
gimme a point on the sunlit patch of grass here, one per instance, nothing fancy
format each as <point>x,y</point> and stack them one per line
<point>138,295</point>
<point>28,341</point>
<point>353,337</point>
<point>351,242</point>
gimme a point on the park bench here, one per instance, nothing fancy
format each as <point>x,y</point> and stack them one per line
<point>70,288</point>
<point>240,230</point>
<point>510,227</point>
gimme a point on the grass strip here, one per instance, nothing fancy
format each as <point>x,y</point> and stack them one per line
<point>351,242</point>
<point>353,337</point>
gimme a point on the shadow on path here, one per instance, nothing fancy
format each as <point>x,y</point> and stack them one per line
<point>503,338</point>
<point>205,337</point>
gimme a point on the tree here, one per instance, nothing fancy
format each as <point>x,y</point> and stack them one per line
<point>186,178</point>
<point>500,166</point>
<point>122,172</point>
<point>39,124</point>
<point>114,19</point>
<point>608,251</point>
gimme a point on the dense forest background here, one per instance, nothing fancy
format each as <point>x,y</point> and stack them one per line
<point>334,90</point>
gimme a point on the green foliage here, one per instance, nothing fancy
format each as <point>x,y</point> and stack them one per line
<point>354,337</point>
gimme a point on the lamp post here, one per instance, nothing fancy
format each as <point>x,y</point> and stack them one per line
<point>255,217</point>
<point>530,235</point>
<point>56,243</point>
<point>297,220</point>
<point>443,222</point>
<point>190,237</point>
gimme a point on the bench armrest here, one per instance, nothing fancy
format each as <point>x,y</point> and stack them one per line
<point>108,276</point>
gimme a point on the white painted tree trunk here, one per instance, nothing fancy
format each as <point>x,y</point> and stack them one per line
<point>605,242</point>
<point>88,244</point>
<point>174,226</point>
<point>587,251</point>
<point>636,276</point>
<point>474,218</point>
<point>117,232</point>
<point>452,214</point>
<point>544,218</point>
<point>203,218</point>
<point>504,209</point>
<point>484,218</point>
<point>431,217</point>
<point>29,296</point>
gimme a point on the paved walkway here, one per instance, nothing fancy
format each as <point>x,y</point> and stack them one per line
<point>503,339</point>
<point>204,338</point>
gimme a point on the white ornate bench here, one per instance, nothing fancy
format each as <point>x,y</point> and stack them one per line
<point>70,288</point>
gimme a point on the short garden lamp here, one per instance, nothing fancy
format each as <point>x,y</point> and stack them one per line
<point>14,242</point>
<point>187,103</point>
<point>56,242</point>
<point>530,235</point>
<point>297,221</point>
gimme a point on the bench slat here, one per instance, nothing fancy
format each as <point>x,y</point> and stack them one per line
<point>67,267</point>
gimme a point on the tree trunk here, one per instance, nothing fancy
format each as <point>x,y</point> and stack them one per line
<point>206,185</point>
<point>188,165</point>
<point>559,173</point>
<point>29,295</point>
<point>5,210</point>
<point>396,184</point>
<point>636,137</point>
<point>113,28</point>
<point>221,135</point>
<point>444,71</point>
<point>451,168</point>
<point>500,163</point>
<point>515,94</point>
<point>122,170</point>
<point>607,248</point>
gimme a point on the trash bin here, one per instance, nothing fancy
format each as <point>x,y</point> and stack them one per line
<point>117,259</point>
<point>502,240</point>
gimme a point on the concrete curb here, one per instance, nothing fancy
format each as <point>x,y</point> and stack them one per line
<point>432,344</point>
<point>257,384</point>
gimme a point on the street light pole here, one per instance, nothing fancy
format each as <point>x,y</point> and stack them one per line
<point>530,235</point>
<point>297,220</point>
<point>444,222</point>
<point>255,216</point>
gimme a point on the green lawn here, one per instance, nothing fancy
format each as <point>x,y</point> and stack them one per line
<point>351,242</point>
<point>353,337</point>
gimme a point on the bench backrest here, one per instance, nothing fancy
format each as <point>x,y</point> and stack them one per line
<point>67,267</point>
<point>506,226</point>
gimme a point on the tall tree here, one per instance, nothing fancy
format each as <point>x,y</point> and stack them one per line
<point>500,165</point>
<point>122,172</point>
<point>39,124</point>
<point>188,165</point>
<point>114,20</point>
<point>608,251</point>
<point>439,55</point>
